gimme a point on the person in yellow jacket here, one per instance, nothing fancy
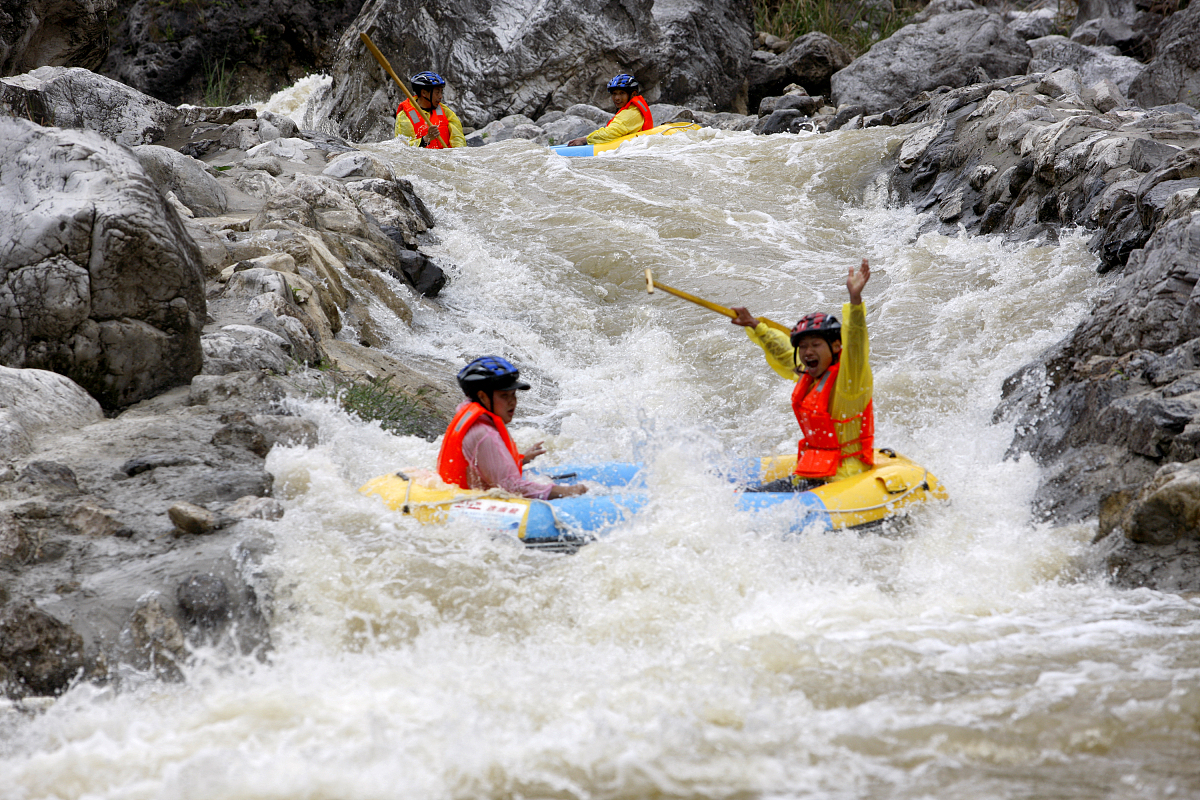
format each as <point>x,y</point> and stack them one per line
<point>633,113</point>
<point>445,128</point>
<point>833,396</point>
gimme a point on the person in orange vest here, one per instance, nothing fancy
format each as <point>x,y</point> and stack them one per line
<point>633,113</point>
<point>833,396</point>
<point>428,88</point>
<point>477,452</point>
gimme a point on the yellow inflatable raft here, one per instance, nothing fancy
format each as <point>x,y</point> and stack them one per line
<point>894,484</point>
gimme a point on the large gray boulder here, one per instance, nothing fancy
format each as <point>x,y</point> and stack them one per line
<point>33,402</point>
<point>70,33</point>
<point>1173,76</point>
<point>192,181</point>
<point>65,97</point>
<point>532,56</point>
<point>952,49</point>
<point>810,61</point>
<point>1092,64</point>
<point>98,279</point>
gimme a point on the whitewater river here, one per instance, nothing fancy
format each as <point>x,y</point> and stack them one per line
<point>693,652</point>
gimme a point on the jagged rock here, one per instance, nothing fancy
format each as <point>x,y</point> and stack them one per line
<point>76,98</point>
<point>34,402</point>
<point>107,282</point>
<point>1127,378</point>
<point>689,52</point>
<point>953,49</point>
<point>55,33</point>
<point>1173,76</point>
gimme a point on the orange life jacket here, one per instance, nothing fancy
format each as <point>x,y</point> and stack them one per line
<point>452,464</point>
<point>638,102</point>
<point>439,120</point>
<point>820,452</point>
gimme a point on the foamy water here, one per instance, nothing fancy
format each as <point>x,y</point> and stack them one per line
<point>692,652</point>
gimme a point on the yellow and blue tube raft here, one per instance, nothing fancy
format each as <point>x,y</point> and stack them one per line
<point>894,484</point>
<point>593,149</point>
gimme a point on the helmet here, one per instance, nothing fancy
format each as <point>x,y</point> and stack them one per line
<point>823,325</point>
<point>427,80</point>
<point>489,374</point>
<point>626,82</point>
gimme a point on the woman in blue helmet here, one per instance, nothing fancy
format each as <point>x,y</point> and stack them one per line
<point>445,128</point>
<point>633,113</point>
<point>477,452</point>
<point>833,396</point>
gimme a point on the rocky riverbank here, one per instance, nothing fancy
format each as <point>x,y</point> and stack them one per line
<point>177,275</point>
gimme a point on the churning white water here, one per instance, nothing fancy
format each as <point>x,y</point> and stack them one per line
<point>693,652</point>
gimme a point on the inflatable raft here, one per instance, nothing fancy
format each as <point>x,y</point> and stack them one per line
<point>592,149</point>
<point>565,524</point>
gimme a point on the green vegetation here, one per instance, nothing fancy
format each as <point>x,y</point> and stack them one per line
<point>377,400</point>
<point>856,25</point>
<point>218,82</point>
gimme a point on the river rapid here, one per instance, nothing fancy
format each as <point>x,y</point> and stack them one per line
<point>694,652</point>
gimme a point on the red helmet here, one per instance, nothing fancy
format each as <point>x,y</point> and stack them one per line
<point>823,325</point>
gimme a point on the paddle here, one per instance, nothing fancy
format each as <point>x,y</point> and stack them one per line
<point>652,284</point>
<point>383,62</point>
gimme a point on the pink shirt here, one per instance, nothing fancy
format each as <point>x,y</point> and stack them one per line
<point>490,465</point>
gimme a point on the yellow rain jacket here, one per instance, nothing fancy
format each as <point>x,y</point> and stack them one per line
<point>628,121</point>
<point>855,384</point>
<point>404,128</point>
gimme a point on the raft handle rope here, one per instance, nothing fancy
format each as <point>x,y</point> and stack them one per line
<point>407,490</point>
<point>923,485</point>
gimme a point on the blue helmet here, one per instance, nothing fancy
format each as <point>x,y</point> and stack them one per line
<point>623,81</point>
<point>427,80</point>
<point>489,374</point>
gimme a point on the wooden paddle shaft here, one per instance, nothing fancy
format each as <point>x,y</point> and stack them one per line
<point>383,62</point>
<point>652,284</point>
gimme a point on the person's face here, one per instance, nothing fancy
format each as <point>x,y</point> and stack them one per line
<point>429,98</point>
<point>502,404</point>
<point>816,355</point>
<point>619,97</point>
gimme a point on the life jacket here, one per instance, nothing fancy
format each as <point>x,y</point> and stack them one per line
<point>638,102</point>
<point>820,452</point>
<point>439,120</point>
<point>452,464</point>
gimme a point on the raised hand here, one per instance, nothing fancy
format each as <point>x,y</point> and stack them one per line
<point>856,280</point>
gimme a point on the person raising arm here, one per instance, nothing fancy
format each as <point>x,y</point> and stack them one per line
<point>832,400</point>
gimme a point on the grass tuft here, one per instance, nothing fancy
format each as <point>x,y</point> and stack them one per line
<point>376,400</point>
<point>856,25</point>
<point>218,82</point>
